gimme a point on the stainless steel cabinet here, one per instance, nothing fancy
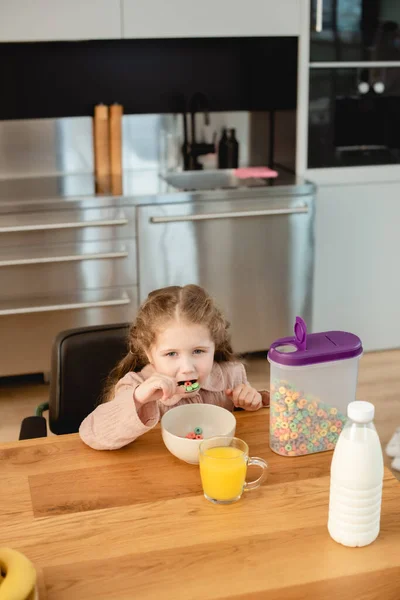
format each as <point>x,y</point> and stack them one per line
<point>254,255</point>
<point>43,227</point>
<point>69,267</point>
<point>33,271</point>
<point>61,269</point>
<point>27,336</point>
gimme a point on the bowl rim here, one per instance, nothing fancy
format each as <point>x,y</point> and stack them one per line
<point>178,437</point>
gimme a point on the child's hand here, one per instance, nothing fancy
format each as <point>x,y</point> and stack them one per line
<point>157,387</point>
<point>244,396</point>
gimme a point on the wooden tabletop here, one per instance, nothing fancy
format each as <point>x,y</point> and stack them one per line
<point>133,523</point>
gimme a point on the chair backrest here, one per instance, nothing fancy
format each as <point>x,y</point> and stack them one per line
<point>81,362</point>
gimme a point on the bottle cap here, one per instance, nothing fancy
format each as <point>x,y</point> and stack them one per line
<point>361,412</point>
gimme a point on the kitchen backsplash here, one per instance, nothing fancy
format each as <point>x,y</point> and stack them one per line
<point>66,79</point>
<point>39,147</point>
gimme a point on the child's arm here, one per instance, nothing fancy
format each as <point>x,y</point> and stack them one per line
<point>119,422</point>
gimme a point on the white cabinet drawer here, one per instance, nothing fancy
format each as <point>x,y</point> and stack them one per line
<point>210,18</point>
<point>27,21</point>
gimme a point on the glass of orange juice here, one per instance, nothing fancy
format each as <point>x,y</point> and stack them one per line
<point>223,465</point>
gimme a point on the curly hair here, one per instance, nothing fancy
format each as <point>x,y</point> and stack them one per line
<point>192,304</point>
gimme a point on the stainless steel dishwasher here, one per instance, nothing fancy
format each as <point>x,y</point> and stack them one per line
<point>252,250</point>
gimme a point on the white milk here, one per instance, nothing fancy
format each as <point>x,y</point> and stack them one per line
<point>356,480</point>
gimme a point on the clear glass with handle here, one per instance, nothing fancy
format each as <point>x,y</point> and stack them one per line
<point>223,465</point>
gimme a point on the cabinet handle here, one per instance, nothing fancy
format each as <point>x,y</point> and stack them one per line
<point>58,259</point>
<point>71,225</point>
<point>319,16</point>
<point>267,212</point>
<point>27,310</point>
<point>356,64</point>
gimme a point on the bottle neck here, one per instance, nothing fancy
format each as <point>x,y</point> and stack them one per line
<point>357,431</point>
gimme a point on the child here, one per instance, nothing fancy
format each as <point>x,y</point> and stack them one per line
<point>179,338</point>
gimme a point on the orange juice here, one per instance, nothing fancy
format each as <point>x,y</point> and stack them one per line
<point>223,472</point>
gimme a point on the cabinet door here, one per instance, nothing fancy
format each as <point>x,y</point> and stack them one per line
<point>356,283</point>
<point>51,20</point>
<point>253,255</point>
<point>180,18</point>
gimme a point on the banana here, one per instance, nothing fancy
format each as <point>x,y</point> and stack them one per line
<point>20,576</point>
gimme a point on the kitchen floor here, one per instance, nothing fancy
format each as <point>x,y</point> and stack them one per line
<point>378,382</point>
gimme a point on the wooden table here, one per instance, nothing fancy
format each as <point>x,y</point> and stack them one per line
<point>133,523</point>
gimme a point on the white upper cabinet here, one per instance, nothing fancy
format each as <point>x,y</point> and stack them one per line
<point>56,20</point>
<point>210,18</point>
<point>52,20</point>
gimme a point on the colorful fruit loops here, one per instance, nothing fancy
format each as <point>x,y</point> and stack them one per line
<point>196,434</point>
<point>189,386</point>
<point>301,424</point>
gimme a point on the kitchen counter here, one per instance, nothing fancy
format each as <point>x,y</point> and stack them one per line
<point>140,187</point>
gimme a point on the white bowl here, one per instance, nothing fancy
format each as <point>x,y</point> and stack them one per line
<point>181,420</point>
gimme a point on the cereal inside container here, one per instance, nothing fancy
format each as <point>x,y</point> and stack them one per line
<point>313,379</point>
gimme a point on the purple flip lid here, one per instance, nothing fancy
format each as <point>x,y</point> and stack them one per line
<point>302,349</point>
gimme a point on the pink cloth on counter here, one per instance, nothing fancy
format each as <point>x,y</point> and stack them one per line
<point>256,172</point>
<point>120,421</point>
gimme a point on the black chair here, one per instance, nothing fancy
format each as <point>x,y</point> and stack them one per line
<point>80,364</point>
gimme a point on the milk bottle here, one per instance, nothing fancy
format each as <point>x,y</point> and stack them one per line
<point>356,479</point>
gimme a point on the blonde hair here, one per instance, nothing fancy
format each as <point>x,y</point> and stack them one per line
<point>193,305</point>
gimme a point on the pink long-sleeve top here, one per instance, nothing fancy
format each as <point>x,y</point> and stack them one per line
<point>120,421</point>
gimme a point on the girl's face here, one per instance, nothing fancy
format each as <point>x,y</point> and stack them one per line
<point>183,351</point>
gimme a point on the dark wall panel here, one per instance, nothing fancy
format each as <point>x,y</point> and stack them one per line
<point>59,79</point>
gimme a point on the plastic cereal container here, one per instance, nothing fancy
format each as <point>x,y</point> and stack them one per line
<point>313,379</point>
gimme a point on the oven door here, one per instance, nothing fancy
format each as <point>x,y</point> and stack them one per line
<point>354,117</point>
<point>354,30</point>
